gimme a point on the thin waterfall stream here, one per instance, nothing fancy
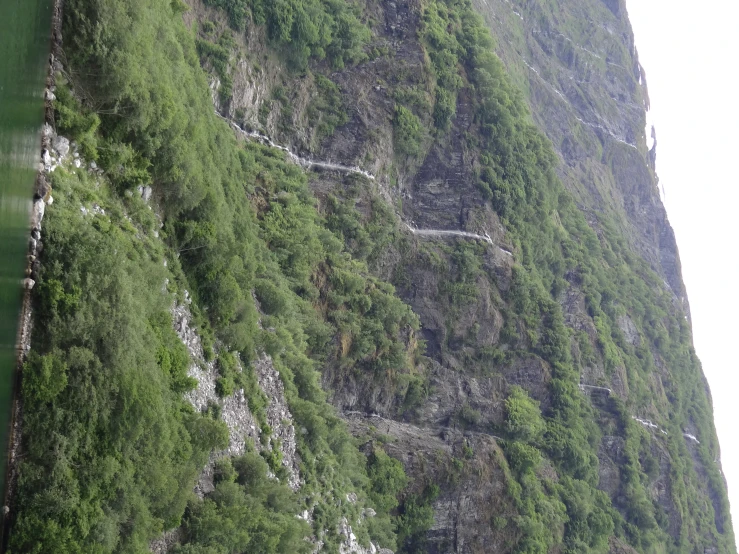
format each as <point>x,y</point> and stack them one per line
<point>307,163</point>
<point>298,160</point>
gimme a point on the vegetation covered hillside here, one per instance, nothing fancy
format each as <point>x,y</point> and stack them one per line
<point>399,330</point>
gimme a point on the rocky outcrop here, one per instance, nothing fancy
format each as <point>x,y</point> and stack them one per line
<point>467,467</point>
<point>243,426</point>
<point>234,409</point>
<point>350,544</point>
<point>279,418</point>
<point>167,541</point>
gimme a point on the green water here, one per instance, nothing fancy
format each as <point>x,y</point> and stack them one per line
<point>25,27</point>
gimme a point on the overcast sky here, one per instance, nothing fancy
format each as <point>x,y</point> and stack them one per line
<point>689,51</point>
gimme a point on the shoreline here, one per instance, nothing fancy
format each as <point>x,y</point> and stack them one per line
<point>41,194</point>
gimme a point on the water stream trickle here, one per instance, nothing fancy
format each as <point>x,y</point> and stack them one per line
<point>449,233</point>
<point>298,160</point>
<point>307,163</point>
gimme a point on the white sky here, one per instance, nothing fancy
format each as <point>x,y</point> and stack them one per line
<point>690,53</point>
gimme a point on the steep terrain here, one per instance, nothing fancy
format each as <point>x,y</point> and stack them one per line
<point>418,289</point>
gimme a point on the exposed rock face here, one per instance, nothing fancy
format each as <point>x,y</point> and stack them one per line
<point>586,90</point>
<point>279,417</point>
<point>235,409</point>
<point>463,515</point>
<point>577,64</point>
<point>351,545</point>
<point>243,427</point>
<point>168,540</point>
<point>589,80</point>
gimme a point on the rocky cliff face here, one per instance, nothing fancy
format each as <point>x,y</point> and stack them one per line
<point>577,65</point>
<point>549,399</point>
<point>587,90</point>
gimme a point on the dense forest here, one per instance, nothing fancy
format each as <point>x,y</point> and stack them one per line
<point>316,273</point>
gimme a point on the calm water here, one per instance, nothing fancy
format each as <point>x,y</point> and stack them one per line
<point>24,48</point>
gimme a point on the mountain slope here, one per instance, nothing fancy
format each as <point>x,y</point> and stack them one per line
<point>486,287</point>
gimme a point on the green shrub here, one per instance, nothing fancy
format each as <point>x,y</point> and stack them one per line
<point>522,457</point>
<point>523,417</point>
<point>408,131</point>
<point>387,480</point>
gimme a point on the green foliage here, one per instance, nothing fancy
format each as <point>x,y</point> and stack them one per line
<point>415,98</point>
<point>72,121</point>
<point>113,450</point>
<point>415,519</point>
<point>219,56</point>
<point>230,375</point>
<point>255,519</point>
<point>305,29</point>
<point>258,517</point>
<point>591,517</point>
<point>408,131</point>
<point>127,448</point>
<point>237,11</point>
<point>326,111</point>
<point>469,416</point>
<point>367,237</point>
<point>522,457</point>
<point>387,480</point>
<point>523,417</point>
<point>109,437</point>
<point>44,377</point>
<point>444,50</point>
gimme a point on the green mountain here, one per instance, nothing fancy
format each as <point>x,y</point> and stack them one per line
<point>358,276</point>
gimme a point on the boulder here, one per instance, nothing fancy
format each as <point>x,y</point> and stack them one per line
<point>37,215</point>
<point>61,145</point>
<point>145,193</point>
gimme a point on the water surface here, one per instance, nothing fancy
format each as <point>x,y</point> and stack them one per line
<point>25,27</point>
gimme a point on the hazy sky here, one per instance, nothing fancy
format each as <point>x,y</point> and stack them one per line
<point>689,51</point>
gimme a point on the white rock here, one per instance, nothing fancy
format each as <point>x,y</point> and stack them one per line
<point>145,192</point>
<point>39,207</point>
<point>61,145</point>
<point>50,201</point>
<point>77,162</point>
